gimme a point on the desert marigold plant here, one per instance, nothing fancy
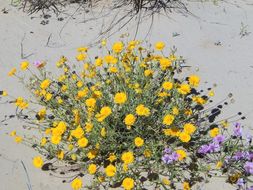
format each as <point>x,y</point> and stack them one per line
<point>129,118</point>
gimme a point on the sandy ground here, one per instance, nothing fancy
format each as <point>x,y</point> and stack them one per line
<point>210,41</point>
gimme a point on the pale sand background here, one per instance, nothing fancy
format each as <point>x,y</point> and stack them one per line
<point>229,65</point>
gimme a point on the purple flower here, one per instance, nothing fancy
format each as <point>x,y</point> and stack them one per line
<point>250,156</point>
<point>167,150</point>
<point>249,139</point>
<point>240,182</point>
<point>237,130</point>
<point>219,139</point>
<point>204,149</point>
<point>166,159</point>
<point>38,64</point>
<point>169,158</point>
<point>174,156</point>
<point>248,166</point>
<point>238,156</point>
<point>214,147</point>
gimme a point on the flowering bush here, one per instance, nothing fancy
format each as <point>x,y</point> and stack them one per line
<point>129,119</point>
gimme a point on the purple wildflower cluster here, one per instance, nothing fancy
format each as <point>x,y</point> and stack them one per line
<point>248,166</point>
<point>212,147</point>
<point>169,156</point>
<point>242,156</point>
<point>237,130</point>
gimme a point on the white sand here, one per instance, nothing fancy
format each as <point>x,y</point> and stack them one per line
<point>230,65</point>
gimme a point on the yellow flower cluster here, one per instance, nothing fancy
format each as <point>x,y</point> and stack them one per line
<point>117,112</point>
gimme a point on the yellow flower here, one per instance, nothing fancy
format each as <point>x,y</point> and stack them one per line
<point>165,181</point>
<point>127,157</point>
<point>163,94</point>
<point>88,127</point>
<point>103,42</point>
<point>92,154</point>
<point>109,59</point>
<point>79,84</point>
<point>99,62</point>
<point>103,132</point>
<point>112,157</point>
<point>113,70</point>
<point>125,167</point>
<point>62,78</point>
<point>42,113</point>
<point>194,80</point>
<point>219,164</point>
<point>97,94</point>
<point>188,112</point>
<point>70,147</point>
<point>48,96</point>
<point>82,93</point>
<point>138,142</point>
<point>83,142</point>
<point>81,57</point>
<point>199,100</point>
<point>73,156</point>
<point>12,72</point>
<point>64,88</point>
<point>77,184</point>
<point>13,133</point>
<point>159,46</point>
<point>90,102</point>
<point>60,101</point>
<point>186,186</point>
<point>181,153</point>
<point>104,113</point>
<point>175,111</point>
<point>128,183</point>
<point>19,100</point>
<point>168,119</point>
<point>167,85</point>
<point>189,128</point>
<point>174,132</point>
<point>148,73</point>
<point>184,89</point>
<point>60,155</point>
<point>24,105</point>
<point>92,169</point>
<point>141,110</point>
<point>165,63</point>
<point>37,162</point>
<point>224,123</point>
<point>77,133</point>
<point>43,141</point>
<point>5,93</point>
<point>132,44</point>
<point>62,126</point>
<point>45,84</point>
<point>18,139</point>
<point>24,65</point>
<point>110,170</point>
<point>211,93</point>
<point>82,49</point>
<point>120,98</point>
<point>48,131</point>
<point>147,153</point>
<point>184,137</point>
<point>129,119</point>
<point>214,132</point>
<point>55,139</point>
<point>117,47</point>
